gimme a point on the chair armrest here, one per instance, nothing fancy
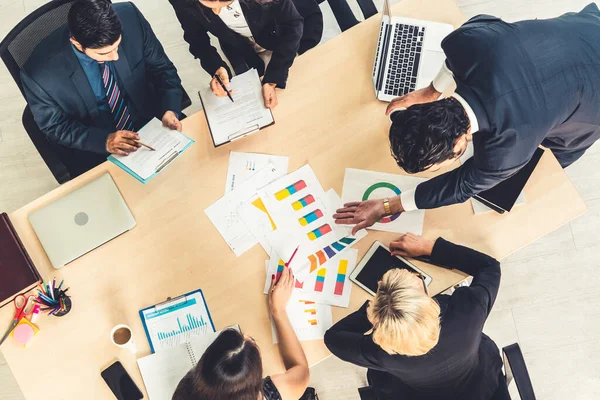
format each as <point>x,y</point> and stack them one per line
<point>514,363</point>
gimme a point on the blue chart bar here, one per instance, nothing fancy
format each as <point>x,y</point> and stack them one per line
<point>192,323</point>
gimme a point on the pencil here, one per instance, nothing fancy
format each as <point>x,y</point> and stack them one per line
<point>146,146</point>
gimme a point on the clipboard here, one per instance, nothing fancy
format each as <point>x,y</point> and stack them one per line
<point>170,308</point>
<point>159,169</point>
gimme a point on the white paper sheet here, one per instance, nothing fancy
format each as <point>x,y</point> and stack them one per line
<point>479,207</point>
<point>328,285</point>
<point>310,320</point>
<point>243,165</point>
<point>223,213</point>
<point>258,220</point>
<point>360,185</point>
<point>246,114</point>
<point>166,142</point>
<point>292,201</point>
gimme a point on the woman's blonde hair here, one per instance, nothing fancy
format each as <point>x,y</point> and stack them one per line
<point>405,320</point>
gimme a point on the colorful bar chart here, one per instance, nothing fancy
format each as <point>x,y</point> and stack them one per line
<point>320,231</point>
<point>341,278</point>
<point>303,202</point>
<point>310,217</point>
<point>320,280</point>
<point>321,256</point>
<point>280,267</point>
<point>192,323</point>
<point>290,190</point>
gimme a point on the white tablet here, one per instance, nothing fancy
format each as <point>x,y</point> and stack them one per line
<point>376,263</point>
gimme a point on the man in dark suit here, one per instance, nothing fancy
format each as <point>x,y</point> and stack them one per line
<point>518,86</point>
<point>93,83</point>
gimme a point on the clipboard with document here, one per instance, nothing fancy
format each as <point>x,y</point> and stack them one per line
<point>246,114</point>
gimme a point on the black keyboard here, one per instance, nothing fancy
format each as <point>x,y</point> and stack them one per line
<point>407,47</point>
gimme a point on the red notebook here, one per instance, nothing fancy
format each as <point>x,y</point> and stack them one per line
<point>17,272</point>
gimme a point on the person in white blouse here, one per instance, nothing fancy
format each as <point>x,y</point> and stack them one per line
<point>518,85</point>
<point>262,34</point>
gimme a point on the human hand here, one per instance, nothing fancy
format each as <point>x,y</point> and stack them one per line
<point>411,245</point>
<point>122,142</point>
<point>216,87</point>
<point>269,95</point>
<point>171,121</point>
<point>425,95</point>
<point>361,213</point>
<point>281,291</point>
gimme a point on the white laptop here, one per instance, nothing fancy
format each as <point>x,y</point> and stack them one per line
<point>409,54</point>
<point>81,221</point>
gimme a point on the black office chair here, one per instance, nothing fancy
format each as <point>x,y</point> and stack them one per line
<point>15,50</point>
<point>343,13</point>
<point>514,365</point>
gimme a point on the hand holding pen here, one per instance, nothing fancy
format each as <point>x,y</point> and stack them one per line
<point>220,82</point>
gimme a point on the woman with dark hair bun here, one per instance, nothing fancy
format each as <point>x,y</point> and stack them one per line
<point>262,34</point>
<point>231,367</point>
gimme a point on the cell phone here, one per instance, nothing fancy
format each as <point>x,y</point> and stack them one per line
<point>121,384</point>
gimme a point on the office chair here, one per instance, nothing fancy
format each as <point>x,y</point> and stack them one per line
<point>15,50</point>
<point>343,13</point>
<point>514,365</point>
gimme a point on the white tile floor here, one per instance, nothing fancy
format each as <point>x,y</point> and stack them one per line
<point>548,300</point>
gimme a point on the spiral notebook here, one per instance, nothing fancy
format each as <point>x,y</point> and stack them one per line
<point>162,371</point>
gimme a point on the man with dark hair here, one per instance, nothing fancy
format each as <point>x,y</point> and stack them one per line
<point>94,82</point>
<point>518,86</point>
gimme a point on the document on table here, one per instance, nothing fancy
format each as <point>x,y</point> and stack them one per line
<point>224,215</point>
<point>167,143</point>
<point>243,165</point>
<point>247,113</point>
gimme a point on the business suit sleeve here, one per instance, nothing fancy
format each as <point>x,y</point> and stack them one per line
<point>59,127</point>
<point>459,185</point>
<point>290,25</point>
<point>196,35</point>
<point>161,70</point>
<point>484,269</point>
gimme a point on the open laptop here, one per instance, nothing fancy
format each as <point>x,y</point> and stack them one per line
<point>409,54</point>
<point>81,221</point>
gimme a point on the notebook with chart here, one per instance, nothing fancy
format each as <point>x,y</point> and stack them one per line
<point>144,163</point>
<point>177,321</point>
<point>162,371</point>
<point>247,113</point>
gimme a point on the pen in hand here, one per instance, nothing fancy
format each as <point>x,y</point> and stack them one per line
<point>223,86</point>
<point>146,146</point>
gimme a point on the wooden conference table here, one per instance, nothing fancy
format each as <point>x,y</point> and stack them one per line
<point>327,117</point>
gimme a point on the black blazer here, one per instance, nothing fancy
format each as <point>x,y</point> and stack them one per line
<point>529,83</point>
<point>61,98</point>
<point>464,365</point>
<point>284,26</point>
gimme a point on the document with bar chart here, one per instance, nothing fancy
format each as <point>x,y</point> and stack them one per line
<point>310,320</point>
<point>177,321</point>
<point>330,284</point>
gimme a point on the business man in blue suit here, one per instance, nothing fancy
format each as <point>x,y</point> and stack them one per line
<point>94,82</point>
<point>519,85</point>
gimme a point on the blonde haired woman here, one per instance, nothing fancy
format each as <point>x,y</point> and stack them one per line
<point>417,347</point>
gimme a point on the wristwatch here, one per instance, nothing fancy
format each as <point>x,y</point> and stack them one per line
<point>386,206</point>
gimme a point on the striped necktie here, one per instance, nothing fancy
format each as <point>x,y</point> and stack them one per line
<point>115,99</point>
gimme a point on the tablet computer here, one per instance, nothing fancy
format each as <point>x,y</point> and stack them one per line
<point>376,263</point>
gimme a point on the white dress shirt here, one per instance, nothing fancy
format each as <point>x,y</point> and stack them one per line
<point>443,81</point>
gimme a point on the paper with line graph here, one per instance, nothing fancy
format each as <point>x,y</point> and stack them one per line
<point>310,320</point>
<point>329,284</point>
<point>296,203</point>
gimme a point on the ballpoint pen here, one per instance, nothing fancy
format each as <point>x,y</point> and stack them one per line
<point>223,86</point>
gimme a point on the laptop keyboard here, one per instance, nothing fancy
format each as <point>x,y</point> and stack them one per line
<point>407,47</point>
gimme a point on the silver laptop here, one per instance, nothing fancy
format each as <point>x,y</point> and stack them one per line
<point>82,220</point>
<point>409,54</point>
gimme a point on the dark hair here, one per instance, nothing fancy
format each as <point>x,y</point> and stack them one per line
<point>231,368</point>
<point>94,23</point>
<point>425,134</point>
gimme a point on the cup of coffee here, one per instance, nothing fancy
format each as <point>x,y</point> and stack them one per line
<point>122,336</point>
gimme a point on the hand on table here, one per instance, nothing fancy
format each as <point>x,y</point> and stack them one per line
<point>425,95</point>
<point>281,291</point>
<point>362,214</point>
<point>216,87</point>
<point>171,121</point>
<point>269,95</point>
<point>411,245</point>
<point>122,142</point>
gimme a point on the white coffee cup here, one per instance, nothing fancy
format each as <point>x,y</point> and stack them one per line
<point>122,336</point>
